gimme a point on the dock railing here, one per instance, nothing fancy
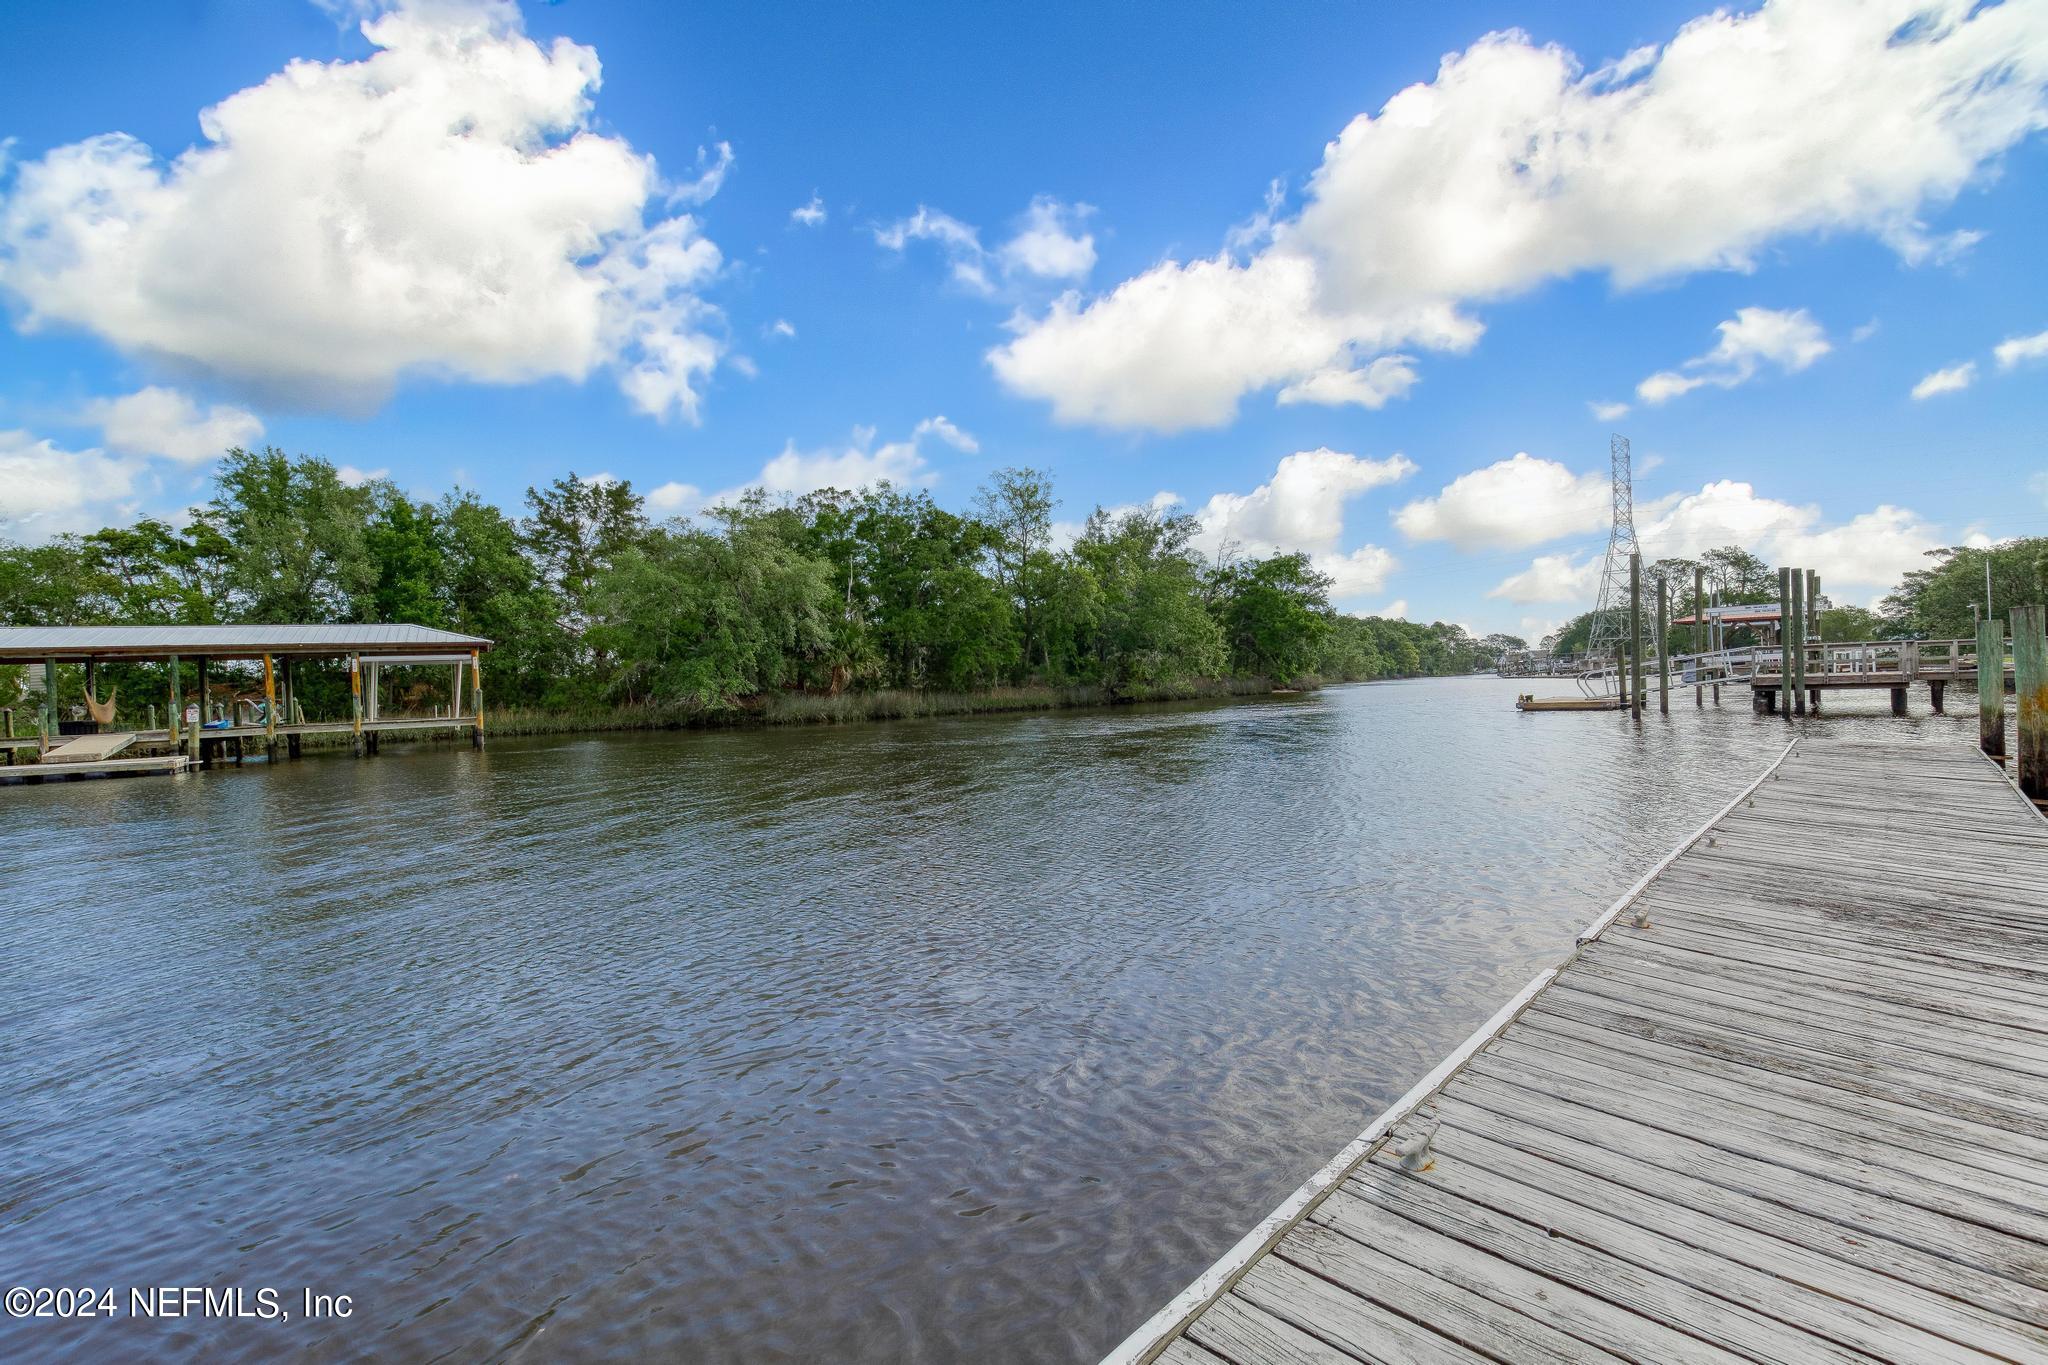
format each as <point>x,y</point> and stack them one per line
<point>1904,660</point>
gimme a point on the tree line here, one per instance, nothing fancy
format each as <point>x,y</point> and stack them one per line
<point>592,601</point>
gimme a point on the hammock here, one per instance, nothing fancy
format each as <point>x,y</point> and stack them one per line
<point>102,711</point>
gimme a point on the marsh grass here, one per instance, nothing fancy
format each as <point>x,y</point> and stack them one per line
<point>803,708</point>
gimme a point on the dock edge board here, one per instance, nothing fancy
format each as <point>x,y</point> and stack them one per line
<point>1164,1326</point>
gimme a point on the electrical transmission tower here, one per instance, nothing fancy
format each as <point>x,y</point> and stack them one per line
<point>1610,618</point>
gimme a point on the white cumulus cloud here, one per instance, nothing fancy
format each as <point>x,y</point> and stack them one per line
<point>675,499</point>
<point>860,463</point>
<point>1607,412</point>
<point>46,490</point>
<point>2014,351</point>
<point>1048,244</point>
<point>1301,510</point>
<point>1952,379</point>
<point>1860,559</point>
<point>161,421</point>
<point>1517,165</point>
<point>1552,578</point>
<point>810,213</point>
<point>443,207</point>
<point>1519,501</point>
<point>353,477</point>
<point>1787,338</point>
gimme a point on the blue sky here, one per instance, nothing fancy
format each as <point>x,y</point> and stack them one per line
<point>1123,243</point>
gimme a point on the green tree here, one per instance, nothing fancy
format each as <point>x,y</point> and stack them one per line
<point>1851,623</point>
<point>1739,576</point>
<point>576,529</point>
<point>1017,505</point>
<point>938,621</point>
<point>45,585</point>
<point>1153,628</point>
<point>1274,614</point>
<point>707,617</point>
<point>492,589</point>
<point>150,572</point>
<point>409,558</point>
<point>295,534</point>
<point>1935,602</point>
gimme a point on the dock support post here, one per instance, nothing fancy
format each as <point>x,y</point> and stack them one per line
<point>1699,616</point>
<point>1898,701</point>
<point>1635,634</point>
<point>2030,681</point>
<point>269,710</point>
<point>1991,687</point>
<point>291,707</point>
<point>47,717</point>
<point>1935,688</point>
<point>177,716</point>
<point>373,703</point>
<point>1796,638</point>
<point>476,673</point>
<point>1663,641</point>
<point>355,698</point>
<point>1810,628</point>
<point>196,739</point>
<point>1785,635</point>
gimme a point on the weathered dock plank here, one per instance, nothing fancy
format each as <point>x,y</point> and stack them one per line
<point>1788,1101</point>
<point>16,773</point>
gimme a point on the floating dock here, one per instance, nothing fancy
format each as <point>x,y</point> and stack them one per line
<point>1786,1101</point>
<point>145,765</point>
<point>1527,702</point>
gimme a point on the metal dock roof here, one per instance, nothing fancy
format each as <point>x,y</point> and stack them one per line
<point>29,644</point>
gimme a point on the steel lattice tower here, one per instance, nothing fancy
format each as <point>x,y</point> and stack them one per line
<point>1610,617</point>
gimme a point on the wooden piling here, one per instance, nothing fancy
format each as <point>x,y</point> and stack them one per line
<point>1991,687</point>
<point>355,698</point>
<point>476,673</point>
<point>269,708</point>
<point>196,739</point>
<point>1898,701</point>
<point>2030,683</point>
<point>1699,617</point>
<point>1785,633</point>
<point>1717,640</point>
<point>177,716</point>
<point>1812,626</point>
<point>291,707</point>
<point>46,717</point>
<point>1799,641</point>
<point>1635,633</point>
<point>1664,639</point>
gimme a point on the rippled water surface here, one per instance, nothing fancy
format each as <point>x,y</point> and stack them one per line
<point>955,1040</point>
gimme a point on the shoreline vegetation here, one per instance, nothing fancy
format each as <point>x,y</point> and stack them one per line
<point>828,607</point>
<point>804,709</point>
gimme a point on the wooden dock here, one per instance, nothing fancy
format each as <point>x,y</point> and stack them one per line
<point>1787,1101</point>
<point>146,765</point>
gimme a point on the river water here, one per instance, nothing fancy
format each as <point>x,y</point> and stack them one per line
<point>953,1040</point>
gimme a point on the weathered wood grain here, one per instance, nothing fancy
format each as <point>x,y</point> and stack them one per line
<point>1798,1113</point>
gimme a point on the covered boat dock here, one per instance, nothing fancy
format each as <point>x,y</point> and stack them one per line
<point>199,728</point>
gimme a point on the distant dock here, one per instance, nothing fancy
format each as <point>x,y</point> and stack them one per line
<point>1786,1101</point>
